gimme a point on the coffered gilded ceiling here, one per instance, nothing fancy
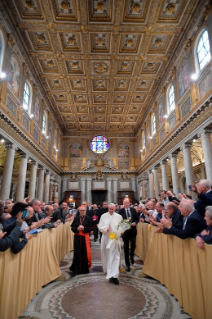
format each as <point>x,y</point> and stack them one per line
<point>100,61</point>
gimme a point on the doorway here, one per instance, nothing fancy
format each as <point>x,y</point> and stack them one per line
<point>98,197</point>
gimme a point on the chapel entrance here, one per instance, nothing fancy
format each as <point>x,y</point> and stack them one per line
<point>98,197</point>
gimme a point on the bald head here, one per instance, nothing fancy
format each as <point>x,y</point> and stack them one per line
<point>126,203</point>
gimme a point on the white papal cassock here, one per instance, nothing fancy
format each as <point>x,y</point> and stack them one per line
<point>110,256</point>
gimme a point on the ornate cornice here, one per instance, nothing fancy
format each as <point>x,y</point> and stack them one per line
<point>6,16</point>
<point>191,126</point>
<point>184,37</point>
<point>17,137</point>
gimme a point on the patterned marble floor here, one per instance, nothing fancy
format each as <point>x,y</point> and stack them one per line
<point>91,296</point>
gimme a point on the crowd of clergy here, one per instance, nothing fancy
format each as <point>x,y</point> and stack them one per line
<point>180,216</point>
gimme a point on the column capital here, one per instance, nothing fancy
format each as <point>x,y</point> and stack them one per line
<point>173,155</point>
<point>150,171</point>
<point>204,132</point>
<point>10,145</point>
<point>47,172</point>
<point>23,155</point>
<point>186,145</point>
<point>163,162</point>
<point>32,162</point>
<point>156,167</point>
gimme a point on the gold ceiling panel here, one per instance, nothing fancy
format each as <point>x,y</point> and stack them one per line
<point>29,9</point>
<point>100,61</point>
<point>135,11</point>
<point>100,11</point>
<point>65,10</point>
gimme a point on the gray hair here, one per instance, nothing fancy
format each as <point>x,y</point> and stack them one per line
<point>111,204</point>
<point>141,205</point>
<point>205,183</point>
<point>209,210</point>
<point>34,201</point>
<point>46,208</point>
<point>187,203</point>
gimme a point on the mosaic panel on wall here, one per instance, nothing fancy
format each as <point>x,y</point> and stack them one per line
<point>14,77</point>
<point>37,110</point>
<point>123,165</point>
<point>25,122</point>
<point>205,85</point>
<point>36,134</point>
<point>171,122</point>
<point>161,113</point>
<point>11,106</point>
<point>183,79</point>
<point>123,150</point>
<point>50,130</point>
<point>185,107</point>
<point>162,135</point>
<point>75,164</point>
<point>75,150</point>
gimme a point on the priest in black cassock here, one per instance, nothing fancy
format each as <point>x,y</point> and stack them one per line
<point>82,225</point>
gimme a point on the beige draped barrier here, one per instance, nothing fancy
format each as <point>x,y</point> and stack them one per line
<point>179,265</point>
<point>23,275</point>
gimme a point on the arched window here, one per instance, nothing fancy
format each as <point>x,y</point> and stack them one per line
<point>171,99</point>
<point>44,123</point>
<point>144,140</point>
<point>153,124</point>
<point>203,50</point>
<point>27,97</point>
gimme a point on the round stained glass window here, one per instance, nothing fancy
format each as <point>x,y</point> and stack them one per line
<point>99,144</point>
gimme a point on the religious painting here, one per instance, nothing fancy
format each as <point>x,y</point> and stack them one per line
<point>162,135</point>
<point>161,113</point>
<point>49,149</point>
<point>75,165</point>
<point>55,138</point>
<point>183,79</point>
<point>172,121</point>
<point>148,131</point>
<point>25,122</point>
<point>123,165</point>
<point>75,150</point>
<point>205,85</point>
<point>35,135</point>
<point>50,130</point>
<point>123,150</point>
<point>14,75</point>
<point>37,110</point>
<point>185,107</point>
<point>11,106</point>
<point>154,143</point>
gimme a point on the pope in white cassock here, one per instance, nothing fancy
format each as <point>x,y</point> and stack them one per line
<point>110,254</point>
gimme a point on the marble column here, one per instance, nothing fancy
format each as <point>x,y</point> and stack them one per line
<point>165,183</point>
<point>189,174</point>
<point>32,179</point>
<point>88,188</point>
<point>207,151</point>
<point>174,170</point>
<point>51,190</point>
<point>21,178</point>
<point>115,190</point>
<point>109,193</point>
<point>82,184</point>
<point>202,170</point>
<point>40,184</point>
<point>7,172</point>
<point>151,184</point>
<point>46,187</point>
<point>64,185</point>
<point>156,182</point>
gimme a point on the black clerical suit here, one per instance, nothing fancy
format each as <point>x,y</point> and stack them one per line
<point>129,235</point>
<point>80,260</point>
<point>101,211</point>
<point>91,213</point>
<point>192,224</point>
<point>58,214</point>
